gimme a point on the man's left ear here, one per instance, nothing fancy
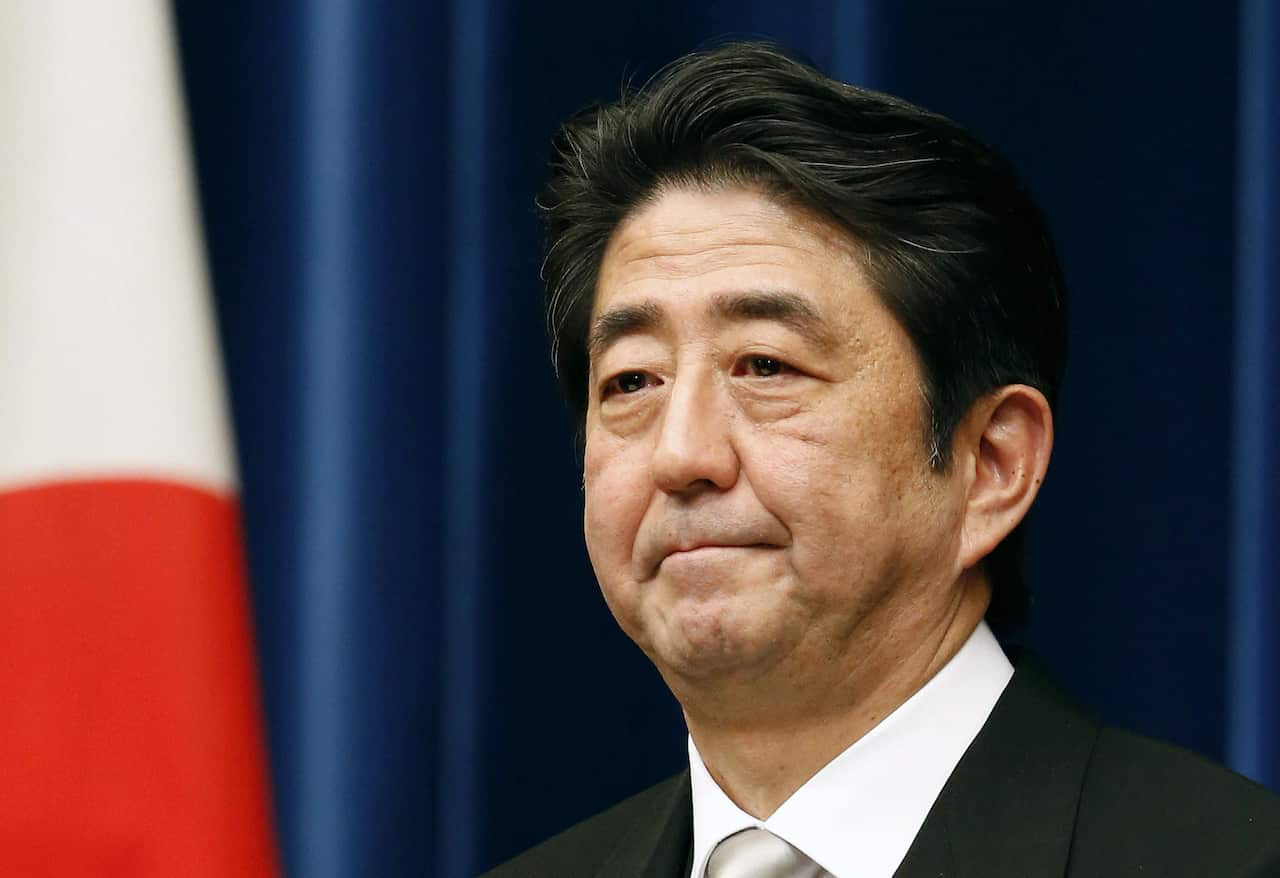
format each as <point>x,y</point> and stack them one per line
<point>1006,440</point>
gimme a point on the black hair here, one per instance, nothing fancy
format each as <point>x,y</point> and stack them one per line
<point>951,240</point>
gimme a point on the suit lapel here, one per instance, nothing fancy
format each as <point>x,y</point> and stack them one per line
<point>1009,807</point>
<point>1007,811</point>
<point>659,844</point>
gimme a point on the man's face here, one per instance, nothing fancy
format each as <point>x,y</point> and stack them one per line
<point>758,494</point>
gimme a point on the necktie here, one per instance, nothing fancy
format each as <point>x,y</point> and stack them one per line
<point>758,853</point>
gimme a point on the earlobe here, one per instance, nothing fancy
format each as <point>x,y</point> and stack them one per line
<point>1011,437</point>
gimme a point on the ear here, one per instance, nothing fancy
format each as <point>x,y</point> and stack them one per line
<point>1006,441</point>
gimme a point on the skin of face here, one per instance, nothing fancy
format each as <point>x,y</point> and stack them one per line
<point>759,506</point>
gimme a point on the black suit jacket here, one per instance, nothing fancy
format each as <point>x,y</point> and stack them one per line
<point>1044,790</point>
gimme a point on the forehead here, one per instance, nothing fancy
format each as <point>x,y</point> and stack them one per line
<point>693,261</point>
<point>700,239</point>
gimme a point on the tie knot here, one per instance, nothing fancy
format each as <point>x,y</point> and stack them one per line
<point>758,853</point>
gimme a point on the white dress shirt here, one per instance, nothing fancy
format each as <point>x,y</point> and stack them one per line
<point>857,817</point>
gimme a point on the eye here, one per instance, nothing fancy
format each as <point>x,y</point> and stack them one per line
<point>626,382</point>
<point>764,367</point>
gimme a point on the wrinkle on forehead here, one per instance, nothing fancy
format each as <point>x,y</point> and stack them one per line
<point>687,245</point>
<point>652,260</point>
<point>749,220</point>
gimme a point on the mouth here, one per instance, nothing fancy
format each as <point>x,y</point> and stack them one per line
<point>709,548</point>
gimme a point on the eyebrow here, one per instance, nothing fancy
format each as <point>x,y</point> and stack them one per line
<point>790,309</point>
<point>617,323</point>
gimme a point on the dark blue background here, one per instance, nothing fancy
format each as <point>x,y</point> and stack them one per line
<point>444,685</point>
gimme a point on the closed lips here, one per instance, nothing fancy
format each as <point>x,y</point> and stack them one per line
<point>673,537</point>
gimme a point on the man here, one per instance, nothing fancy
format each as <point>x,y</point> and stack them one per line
<point>814,335</point>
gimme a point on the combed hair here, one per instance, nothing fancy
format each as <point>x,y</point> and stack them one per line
<point>950,239</point>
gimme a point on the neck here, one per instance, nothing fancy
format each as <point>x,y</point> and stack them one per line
<point>760,759</point>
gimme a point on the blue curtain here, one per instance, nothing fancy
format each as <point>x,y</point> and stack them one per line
<point>443,684</point>
<point>1254,658</point>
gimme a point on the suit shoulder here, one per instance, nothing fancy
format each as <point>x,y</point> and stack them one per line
<point>585,847</point>
<point>1146,804</point>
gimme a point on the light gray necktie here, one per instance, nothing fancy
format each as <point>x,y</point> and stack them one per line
<point>758,853</point>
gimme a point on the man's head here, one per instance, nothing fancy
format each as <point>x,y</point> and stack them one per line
<point>782,306</point>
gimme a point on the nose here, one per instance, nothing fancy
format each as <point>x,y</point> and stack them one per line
<point>694,448</point>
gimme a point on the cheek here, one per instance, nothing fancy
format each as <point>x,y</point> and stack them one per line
<point>814,466</point>
<point>838,491</point>
<point>615,497</point>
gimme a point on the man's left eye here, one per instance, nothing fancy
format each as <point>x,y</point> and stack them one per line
<point>764,367</point>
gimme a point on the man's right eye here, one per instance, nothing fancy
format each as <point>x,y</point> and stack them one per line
<point>625,382</point>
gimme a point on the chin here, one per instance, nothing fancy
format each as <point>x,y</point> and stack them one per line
<point>705,633</point>
<point>709,647</point>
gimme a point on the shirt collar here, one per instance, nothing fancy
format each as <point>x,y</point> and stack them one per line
<point>859,814</point>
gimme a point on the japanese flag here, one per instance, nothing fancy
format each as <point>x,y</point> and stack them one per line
<point>130,729</point>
